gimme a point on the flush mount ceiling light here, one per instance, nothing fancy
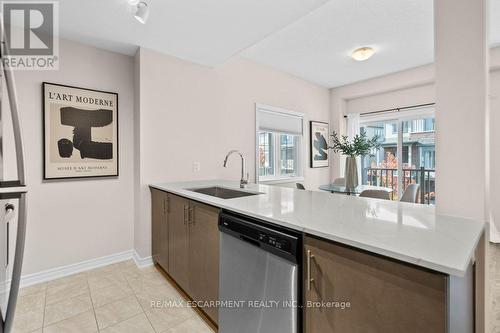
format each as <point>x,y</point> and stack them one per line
<point>363,53</point>
<point>142,12</point>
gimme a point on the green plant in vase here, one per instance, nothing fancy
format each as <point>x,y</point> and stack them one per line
<point>360,145</point>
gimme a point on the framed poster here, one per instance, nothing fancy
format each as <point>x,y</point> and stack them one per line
<point>80,132</point>
<point>319,133</point>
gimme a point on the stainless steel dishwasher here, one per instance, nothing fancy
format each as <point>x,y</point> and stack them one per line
<point>259,286</point>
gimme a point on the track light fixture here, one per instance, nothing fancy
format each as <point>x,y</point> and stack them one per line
<point>142,12</point>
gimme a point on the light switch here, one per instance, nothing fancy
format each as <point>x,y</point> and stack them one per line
<point>196,166</point>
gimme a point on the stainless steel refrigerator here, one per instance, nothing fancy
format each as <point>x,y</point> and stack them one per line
<point>12,196</point>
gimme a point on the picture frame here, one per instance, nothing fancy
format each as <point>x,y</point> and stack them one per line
<point>80,132</point>
<point>319,133</point>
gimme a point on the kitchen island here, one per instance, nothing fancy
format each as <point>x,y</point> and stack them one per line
<point>382,234</point>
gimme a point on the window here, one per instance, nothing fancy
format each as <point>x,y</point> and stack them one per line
<point>289,155</point>
<point>279,144</point>
<point>407,154</point>
<point>286,157</point>
<point>394,129</point>
<point>266,154</point>
<point>430,124</point>
<point>428,157</point>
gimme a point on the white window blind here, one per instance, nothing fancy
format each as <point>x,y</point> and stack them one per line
<point>274,121</point>
<point>279,148</point>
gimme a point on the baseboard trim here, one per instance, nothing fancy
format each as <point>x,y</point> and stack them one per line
<point>142,262</point>
<point>59,272</point>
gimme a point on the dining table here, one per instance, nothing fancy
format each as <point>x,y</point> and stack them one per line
<point>334,188</point>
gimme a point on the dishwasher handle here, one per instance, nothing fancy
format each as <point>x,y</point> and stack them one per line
<point>249,240</point>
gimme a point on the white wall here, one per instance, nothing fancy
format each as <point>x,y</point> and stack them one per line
<point>392,99</point>
<point>462,86</point>
<point>494,124</point>
<point>191,113</point>
<point>245,83</point>
<point>412,87</point>
<point>75,220</point>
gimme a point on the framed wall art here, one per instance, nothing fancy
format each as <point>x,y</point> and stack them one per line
<point>80,132</point>
<point>319,132</point>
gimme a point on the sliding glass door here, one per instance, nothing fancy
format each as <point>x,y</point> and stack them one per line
<point>419,156</point>
<point>407,154</point>
<point>382,168</point>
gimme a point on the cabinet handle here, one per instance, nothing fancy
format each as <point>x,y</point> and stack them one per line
<point>191,215</point>
<point>8,246</point>
<point>310,280</point>
<point>9,209</point>
<point>185,214</point>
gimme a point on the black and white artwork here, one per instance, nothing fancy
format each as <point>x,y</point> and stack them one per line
<point>319,144</point>
<point>80,132</point>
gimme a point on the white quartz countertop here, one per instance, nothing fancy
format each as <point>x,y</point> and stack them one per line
<point>407,232</point>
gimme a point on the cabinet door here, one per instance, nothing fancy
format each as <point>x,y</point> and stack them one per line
<point>163,238</point>
<point>204,255</point>
<point>384,296</point>
<point>159,232</point>
<point>178,243</point>
<point>157,219</point>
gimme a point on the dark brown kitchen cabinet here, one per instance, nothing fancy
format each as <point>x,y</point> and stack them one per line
<point>192,245</point>
<point>374,294</point>
<point>159,207</point>
<point>178,241</point>
<point>204,255</point>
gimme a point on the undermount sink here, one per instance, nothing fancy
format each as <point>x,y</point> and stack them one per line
<point>222,192</point>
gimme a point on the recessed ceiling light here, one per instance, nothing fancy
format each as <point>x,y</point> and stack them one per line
<point>142,12</point>
<point>363,53</point>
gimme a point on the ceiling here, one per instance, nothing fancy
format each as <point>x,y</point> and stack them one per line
<point>207,32</point>
<point>318,46</point>
<point>311,39</point>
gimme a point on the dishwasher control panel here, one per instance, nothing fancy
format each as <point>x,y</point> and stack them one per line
<point>285,244</point>
<point>276,241</point>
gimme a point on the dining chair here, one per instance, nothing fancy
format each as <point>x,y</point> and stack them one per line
<point>377,194</point>
<point>339,182</point>
<point>411,193</point>
<point>300,186</point>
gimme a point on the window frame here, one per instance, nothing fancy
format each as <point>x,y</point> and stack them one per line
<point>271,137</point>
<point>277,178</point>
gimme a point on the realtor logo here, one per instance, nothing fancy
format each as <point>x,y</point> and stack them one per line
<point>30,35</point>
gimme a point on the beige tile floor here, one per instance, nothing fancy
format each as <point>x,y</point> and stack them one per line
<point>117,299</point>
<point>112,299</point>
<point>494,253</point>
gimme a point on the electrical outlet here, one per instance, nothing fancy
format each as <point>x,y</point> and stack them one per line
<point>196,166</point>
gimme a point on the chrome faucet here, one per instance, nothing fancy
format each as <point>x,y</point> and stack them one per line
<point>243,180</point>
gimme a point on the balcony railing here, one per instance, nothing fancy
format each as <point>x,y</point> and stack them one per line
<point>388,177</point>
